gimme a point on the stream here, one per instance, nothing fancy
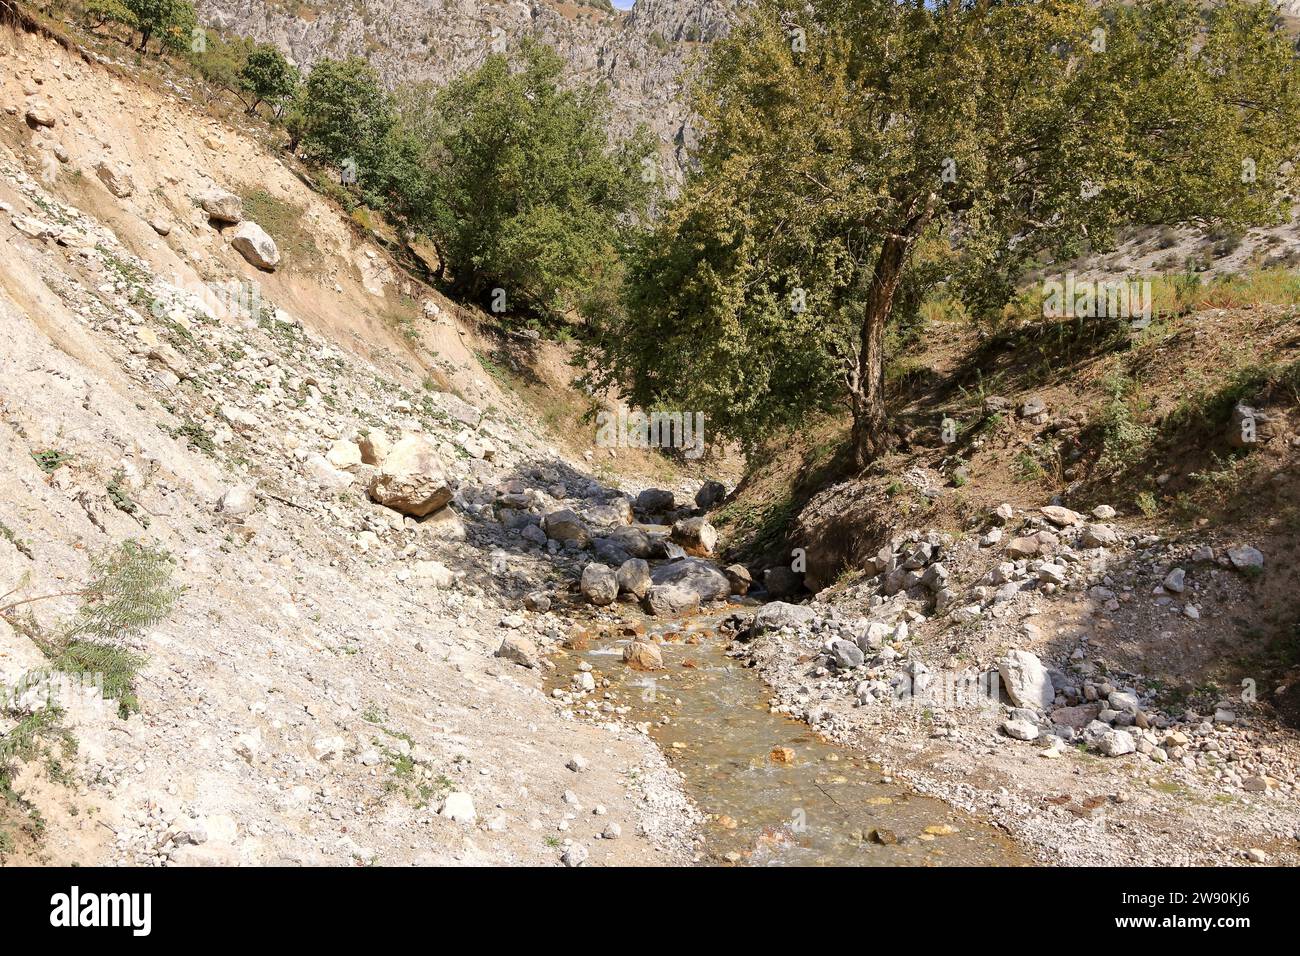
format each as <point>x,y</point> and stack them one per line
<point>774,792</point>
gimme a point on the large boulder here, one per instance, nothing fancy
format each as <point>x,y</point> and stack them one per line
<point>696,575</point>
<point>564,525</point>
<point>781,582</point>
<point>655,500</point>
<point>599,584</point>
<point>411,479</point>
<point>634,577</point>
<point>251,241</point>
<point>1026,680</point>
<point>632,540</point>
<point>222,206</point>
<point>696,533</point>
<point>670,599</point>
<point>608,552</point>
<point>710,493</point>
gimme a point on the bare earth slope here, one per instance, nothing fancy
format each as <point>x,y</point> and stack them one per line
<point>327,680</point>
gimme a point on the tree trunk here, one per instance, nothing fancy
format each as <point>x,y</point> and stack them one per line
<point>868,390</point>
<point>867,384</point>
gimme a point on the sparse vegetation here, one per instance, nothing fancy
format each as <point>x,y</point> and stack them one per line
<point>129,591</point>
<point>1124,436</point>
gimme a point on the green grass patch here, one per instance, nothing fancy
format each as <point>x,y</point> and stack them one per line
<point>285,223</point>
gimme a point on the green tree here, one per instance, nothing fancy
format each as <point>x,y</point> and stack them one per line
<point>98,12</point>
<point>527,195</point>
<point>170,20</point>
<point>220,60</point>
<point>841,135</point>
<point>341,115</point>
<point>268,77</point>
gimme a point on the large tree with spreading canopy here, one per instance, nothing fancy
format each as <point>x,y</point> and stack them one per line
<point>842,135</point>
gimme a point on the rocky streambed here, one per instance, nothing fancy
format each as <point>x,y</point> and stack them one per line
<point>772,790</point>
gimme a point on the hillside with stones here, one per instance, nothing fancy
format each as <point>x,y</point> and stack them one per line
<point>352,674</point>
<point>427,619</point>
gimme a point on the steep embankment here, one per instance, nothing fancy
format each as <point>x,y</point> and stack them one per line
<point>1157,604</point>
<point>326,688</point>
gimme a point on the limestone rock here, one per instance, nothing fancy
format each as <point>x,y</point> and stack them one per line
<point>738,577</point>
<point>251,241</point>
<point>1061,517</point>
<point>39,113</point>
<point>599,584</point>
<point>237,501</point>
<point>519,650</point>
<point>1116,743</point>
<point>374,446</point>
<point>222,206</point>
<point>459,806</point>
<point>778,614</point>
<point>411,479</point>
<point>1026,680</point>
<point>344,454</point>
<point>115,178</point>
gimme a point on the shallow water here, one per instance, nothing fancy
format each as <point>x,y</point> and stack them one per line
<point>776,793</point>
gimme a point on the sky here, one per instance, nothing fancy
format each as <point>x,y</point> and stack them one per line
<point>623,4</point>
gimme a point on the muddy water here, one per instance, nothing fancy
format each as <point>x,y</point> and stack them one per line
<point>774,791</point>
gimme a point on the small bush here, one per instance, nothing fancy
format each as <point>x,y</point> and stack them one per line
<point>1124,438</point>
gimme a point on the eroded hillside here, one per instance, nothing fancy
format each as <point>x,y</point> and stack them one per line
<point>327,682</point>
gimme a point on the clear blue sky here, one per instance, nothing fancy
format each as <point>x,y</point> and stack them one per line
<point>623,4</point>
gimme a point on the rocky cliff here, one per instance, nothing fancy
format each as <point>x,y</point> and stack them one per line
<point>641,54</point>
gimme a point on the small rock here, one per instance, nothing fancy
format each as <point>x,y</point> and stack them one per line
<point>599,584</point>
<point>575,855</point>
<point>1116,743</point>
<point>459,806</point>
<point>1020,729</point>
<point>519,650</point>
<point>643,656</point>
